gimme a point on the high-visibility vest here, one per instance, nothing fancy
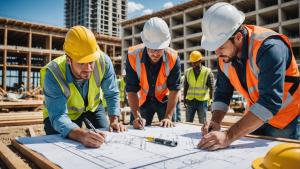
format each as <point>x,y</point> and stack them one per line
<point>290,105</point>
<point>75,102</point>
<point>198,89</point>
<point>121,86</point>
<point>161,90</point>
<point>103,99</point>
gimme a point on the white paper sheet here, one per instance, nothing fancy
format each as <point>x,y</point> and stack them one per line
<point>132,150</point>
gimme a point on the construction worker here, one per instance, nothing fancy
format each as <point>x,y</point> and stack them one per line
<point>22,89</point>
<point>71,85</point>
<point>121,86</point>
<point>198,88</point>
<point>177,114</point>
<point>260,65</point>
<point>153,70</point>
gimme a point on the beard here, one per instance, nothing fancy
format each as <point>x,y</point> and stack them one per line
<point>233,55</point>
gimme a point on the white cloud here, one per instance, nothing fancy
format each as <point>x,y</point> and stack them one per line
<point>132,6</point>
<point>168,5</point>
<point>147,11</point>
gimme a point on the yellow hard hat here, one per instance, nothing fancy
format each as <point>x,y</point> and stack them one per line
<point>195,56</point>
<point>80,45</point>
<point>282,156</point>
<point>22,85</point>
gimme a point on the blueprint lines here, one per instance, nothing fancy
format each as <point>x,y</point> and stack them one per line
<point>132,150</point>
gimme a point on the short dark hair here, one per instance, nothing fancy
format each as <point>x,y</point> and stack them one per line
<point>241,29</point>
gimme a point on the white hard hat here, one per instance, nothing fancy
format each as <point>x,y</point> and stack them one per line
<point>124,72</point>
<point>156,34</point>
<point>219,23</point>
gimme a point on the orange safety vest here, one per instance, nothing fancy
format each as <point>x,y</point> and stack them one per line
<point>161,90</point>
<point>290,105</point>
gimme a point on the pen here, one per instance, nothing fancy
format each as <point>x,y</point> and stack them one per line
<point>141,121</point>
<point>93,128</point>
<point>162,141</point>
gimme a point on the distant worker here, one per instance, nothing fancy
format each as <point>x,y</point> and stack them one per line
<point>177,114</point>
<point>22,89</point>
<point>71,85</point>
<point>153,69</point>
<point>260,65</point>
<point>198,89</point>
<point>121,83</point>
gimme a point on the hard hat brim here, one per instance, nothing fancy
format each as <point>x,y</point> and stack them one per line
<point>211,46</point>
<point>158,45</point>
<point>91,57</point>
<point>257,163</point>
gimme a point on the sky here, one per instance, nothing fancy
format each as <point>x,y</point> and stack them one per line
<point>51,12</point>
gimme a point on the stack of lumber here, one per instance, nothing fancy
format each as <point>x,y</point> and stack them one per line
<point>33,93</point>
<point>17,119</point>
<point>3,94</point>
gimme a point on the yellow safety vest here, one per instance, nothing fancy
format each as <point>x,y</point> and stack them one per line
<point>121,86</point>
<point>75,102</point>
<point>197,89</point>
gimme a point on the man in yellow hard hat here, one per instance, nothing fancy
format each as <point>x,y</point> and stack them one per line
<point>71,85</point>
<point>22,89</point>
<point>198,88</point>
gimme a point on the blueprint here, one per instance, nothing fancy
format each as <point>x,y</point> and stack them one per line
<point>132,150</point>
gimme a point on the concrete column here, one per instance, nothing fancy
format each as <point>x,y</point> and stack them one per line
<point>50,42</point>
<point>29,62</point>
<point>5,35</point>
<point>4,69</point>
<point>49,58</point>
<point>104,50</point>
<point>114,50</point>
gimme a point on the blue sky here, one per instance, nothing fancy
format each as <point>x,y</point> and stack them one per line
<point>51,12</point>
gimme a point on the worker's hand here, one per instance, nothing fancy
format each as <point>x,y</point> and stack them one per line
<point>215,140</point>
<point>167,123</point>
<point>215,127</point>
<point>137,125</point>
<point>184,103</point>
<point>117,126</point>
<point>92,140</point>
<point>209,107</point>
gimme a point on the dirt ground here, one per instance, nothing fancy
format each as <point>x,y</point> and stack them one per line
<point>9,133</point>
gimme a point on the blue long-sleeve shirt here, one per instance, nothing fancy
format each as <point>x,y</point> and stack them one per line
<point>173,81</point>
<point>273,58</point>
<point>57,102</point>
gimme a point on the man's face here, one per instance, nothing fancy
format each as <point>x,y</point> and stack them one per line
<point>196,65</point>
<point>155,54</point>
<point>227,52</point>
<point>81,70</point>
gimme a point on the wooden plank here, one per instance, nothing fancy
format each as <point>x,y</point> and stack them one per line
<point>21,122</point>
<point>38,108</point>
<point>11,159</point>
<point>234,114</point>
<point>39,160</point>
<point>20,114</point>
<point>14,118</point>
<point>31,131</point>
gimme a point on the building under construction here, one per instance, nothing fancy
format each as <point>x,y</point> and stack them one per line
<point>185,20</point>
<point>26,47</point>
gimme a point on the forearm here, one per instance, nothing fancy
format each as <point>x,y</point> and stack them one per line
<point>113,118</point>
<point>211,94</point>
<point>77,134</point>
<point>246,125</point>
<point>172,101</point>
<point>134,103</point>
<point>218,116</point>
<point>184,93</point>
